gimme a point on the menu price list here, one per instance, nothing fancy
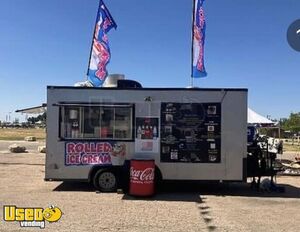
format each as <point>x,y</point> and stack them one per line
<point>191,132</point>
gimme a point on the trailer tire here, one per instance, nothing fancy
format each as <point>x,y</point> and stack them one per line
<point>105,180</point>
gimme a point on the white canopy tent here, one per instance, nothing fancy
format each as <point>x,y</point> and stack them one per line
<point>255,118</point>
<point>34,110</point>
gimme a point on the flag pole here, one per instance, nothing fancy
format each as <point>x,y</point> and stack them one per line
<point>192,39</point>
<point>91,49</point>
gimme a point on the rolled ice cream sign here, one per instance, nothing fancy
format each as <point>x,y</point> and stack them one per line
<point>93,153</point>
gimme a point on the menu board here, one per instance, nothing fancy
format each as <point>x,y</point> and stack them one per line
<point>191,132</point>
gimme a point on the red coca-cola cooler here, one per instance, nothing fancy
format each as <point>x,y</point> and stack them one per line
<point>142,177</point>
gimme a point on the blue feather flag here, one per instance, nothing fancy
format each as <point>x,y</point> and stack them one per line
<point>198,39</point>
<point>100,52</point>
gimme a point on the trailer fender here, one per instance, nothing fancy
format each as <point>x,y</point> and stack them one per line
<point>157,177</point>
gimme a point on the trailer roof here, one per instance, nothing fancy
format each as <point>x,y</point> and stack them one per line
<point>151,89</point>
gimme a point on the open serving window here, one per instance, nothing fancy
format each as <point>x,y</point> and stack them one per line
<point>96,121</point>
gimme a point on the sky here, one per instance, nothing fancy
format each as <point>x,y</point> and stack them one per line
<point>46,42</point>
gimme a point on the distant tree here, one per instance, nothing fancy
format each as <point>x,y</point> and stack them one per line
<point>292,123</point>
<point>41,117</point>
<point>32,120</point>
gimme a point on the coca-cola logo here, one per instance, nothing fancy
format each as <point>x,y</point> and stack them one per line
<point>146,175</point>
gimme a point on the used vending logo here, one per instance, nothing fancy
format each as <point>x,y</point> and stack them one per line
<point>31,217</point>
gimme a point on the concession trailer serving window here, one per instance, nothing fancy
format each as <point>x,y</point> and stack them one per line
<point>96,121</point>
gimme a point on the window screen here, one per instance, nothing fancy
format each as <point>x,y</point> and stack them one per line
<point>97,122</point>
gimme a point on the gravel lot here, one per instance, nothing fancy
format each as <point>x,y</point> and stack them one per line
<point>180,207</point>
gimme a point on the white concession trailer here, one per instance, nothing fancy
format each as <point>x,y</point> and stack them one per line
<point>191,133</point>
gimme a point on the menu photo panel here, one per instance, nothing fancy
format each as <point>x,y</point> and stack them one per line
<point>147,135</point>
<point>191,132</point>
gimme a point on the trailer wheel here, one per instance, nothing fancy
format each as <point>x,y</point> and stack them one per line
<point>105,180</point>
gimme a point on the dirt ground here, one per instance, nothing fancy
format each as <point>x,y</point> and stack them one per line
<point>21,133</point>
<point>180,207</point>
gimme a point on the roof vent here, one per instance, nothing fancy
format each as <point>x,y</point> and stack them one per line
<point>112,80</point>
<point>128,84</point>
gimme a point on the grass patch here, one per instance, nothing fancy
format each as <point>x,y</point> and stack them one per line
<point>290,147</point>
<point>21,133</point>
